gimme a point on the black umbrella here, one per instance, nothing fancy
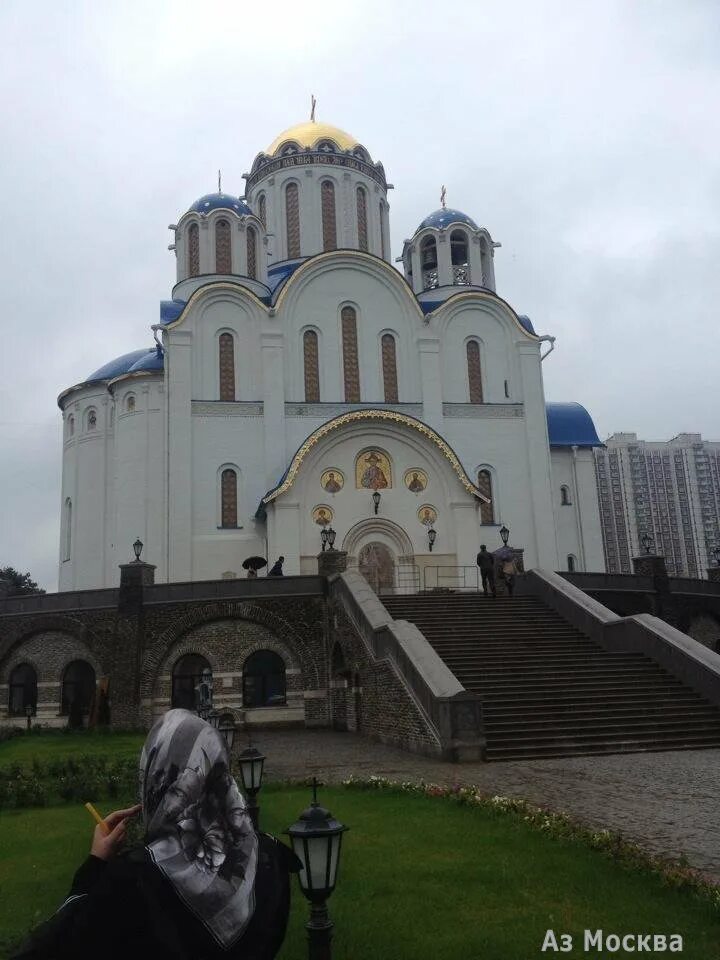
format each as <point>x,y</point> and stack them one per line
<point>254,563</point>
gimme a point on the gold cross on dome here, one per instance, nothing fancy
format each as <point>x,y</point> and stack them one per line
<point>313,104</point>
<point>443,194</point>
<point>219,182</point>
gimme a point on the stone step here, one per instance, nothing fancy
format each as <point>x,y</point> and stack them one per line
<point>542,712</point>
<point>601,724</point>
<point>547,738</point>
<point>560,749</point>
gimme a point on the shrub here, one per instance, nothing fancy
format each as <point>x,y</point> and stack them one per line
<point>8,732</point>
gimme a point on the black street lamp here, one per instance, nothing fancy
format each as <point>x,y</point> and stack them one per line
<point>324,538</point>
<point>504,534</point>
<point>137,549</point>
<point>252,763</point>
<point>316,839</point>
<point>226,726</point>
<point>646,540</point>
<point>376,500</point>
<point>432,533</point>
<point>331,537</point>
<point>213,718</point>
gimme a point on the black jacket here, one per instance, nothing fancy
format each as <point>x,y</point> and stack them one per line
<point>125,908</point>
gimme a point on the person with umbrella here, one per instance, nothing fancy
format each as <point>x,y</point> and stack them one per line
<point>508,567</point>
<point>252,565</point>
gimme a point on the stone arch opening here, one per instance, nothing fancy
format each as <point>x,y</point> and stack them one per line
<point>264,681</point>
<point>186,674</point>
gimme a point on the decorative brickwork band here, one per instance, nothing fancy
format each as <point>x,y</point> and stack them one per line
<point>474,375</point>
<point>389,368</point>
<point>361,202</point>
<point>312,370</point>
<point>351,369</point>
<point>226,348</point>
<point>252,253</point>
<point>487,510</point>
<point>193,250</point>
<point>223,254</point>
<point>329,223</point>
<point>228,498</point>
<point>292,217</point>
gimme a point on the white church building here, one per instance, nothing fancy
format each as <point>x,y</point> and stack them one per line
<point>300,382</point>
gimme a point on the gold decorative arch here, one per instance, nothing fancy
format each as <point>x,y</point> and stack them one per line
<point>390,416</point>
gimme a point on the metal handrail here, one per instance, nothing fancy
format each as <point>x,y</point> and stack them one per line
<point>448,577</point>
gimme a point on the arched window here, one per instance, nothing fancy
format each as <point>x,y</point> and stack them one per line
<point>71,425</point>
<point>223,254</point>
<point>565,500</point>
<point>459,257</point>
<point>91,420</point>
<point>292,217</point>
<point>264,680</point>
<point>487,512</point>
<point>252,253</point>
<point>226,361</point>
<point>228,498</point>
<point>474,373</point>
<point>389,368</point>
<point>130,403</point>
<point>78,688</point>
<point>186,675</point>
<point>571,563</point>
<point>351,370</point>
<point>329,223</point>
<point>381,210</point>
<point>262,210</point>
<point>311,365</point>
<point>361,203</point>
<point>193,250</point>
<point>67,532</point>
<point>429,264</point>
<point>23,691</point>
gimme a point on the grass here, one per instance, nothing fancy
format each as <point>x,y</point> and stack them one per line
<point>48,745</point>
<point>419,878</point>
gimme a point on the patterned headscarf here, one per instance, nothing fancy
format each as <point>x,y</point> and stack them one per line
<point>197,828</point>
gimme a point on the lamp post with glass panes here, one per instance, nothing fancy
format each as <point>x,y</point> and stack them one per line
<point>252,764</point>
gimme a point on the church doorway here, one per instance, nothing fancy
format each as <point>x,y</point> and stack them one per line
<point>377,564</point>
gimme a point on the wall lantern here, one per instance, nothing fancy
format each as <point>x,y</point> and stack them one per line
<point>432,534</point>
<point>137,549</point>
<point>504,534</point>
<point>324,538</point>
<point>227,729</point>
<point>331,538</point>
<point>376,500</point>
<point>252,763</point>
<point>646,540</point>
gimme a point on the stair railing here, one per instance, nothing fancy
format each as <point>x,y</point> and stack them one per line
<point>452,578</point>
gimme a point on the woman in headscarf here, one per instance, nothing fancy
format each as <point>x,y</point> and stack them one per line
<point>204,885</point>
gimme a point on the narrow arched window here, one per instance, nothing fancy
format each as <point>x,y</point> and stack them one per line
<point>226,360</point>
<point>329,223</point>
<point>389,368</point>
<point>262,210</point>
<point>130,403</point>
<point>474,373</point>
<point>91,420</point>
<point>429,263</point>
<point>351,370</point>
<point>311,365</point>
<point>223,254</point>
<point>78,689</point>
<point>67,532</point>
<point>23,691</point>
<point>487,512</point>
<point>571,563</point>
<point>264,682</point>
<point>71,425</point>
<point>565,496</point>
<point>186,676</point>
<point>381,211</point>
<point>193,250</point>
<point>292,218</point>
<point>252,253</point>
<point>228,498</point>
<point>459,257</point>
<point>361,204</point>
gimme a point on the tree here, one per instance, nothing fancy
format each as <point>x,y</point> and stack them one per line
<point>13,583</point>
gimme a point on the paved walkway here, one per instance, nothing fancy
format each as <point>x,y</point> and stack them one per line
<point>666,801</point>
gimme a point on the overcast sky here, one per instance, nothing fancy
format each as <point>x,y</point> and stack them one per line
<point>583,135</point>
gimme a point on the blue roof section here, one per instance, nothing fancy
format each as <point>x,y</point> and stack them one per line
<point>444,216</point>
<point>220,201</point>
<point>570,425</point>
<point>152,362</point>
<point>526,322</point>
<point>121,365</point>
<point>170,310</point>
<point>277,275</point>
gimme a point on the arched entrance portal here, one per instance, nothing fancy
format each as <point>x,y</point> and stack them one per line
<point>377,564</point>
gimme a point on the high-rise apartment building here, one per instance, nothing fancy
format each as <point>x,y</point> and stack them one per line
<point>670,490</point>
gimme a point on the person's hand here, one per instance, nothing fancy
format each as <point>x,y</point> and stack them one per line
<point>106,845</point>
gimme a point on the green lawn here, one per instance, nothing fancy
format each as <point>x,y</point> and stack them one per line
<point>60,744</point>
<point>419,878</point>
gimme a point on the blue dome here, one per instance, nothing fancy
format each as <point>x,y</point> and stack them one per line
<point>121,365</point>
<point>570,425</point>
<point>221,201</point>
<point>444,216</point>
<point>150,362</point>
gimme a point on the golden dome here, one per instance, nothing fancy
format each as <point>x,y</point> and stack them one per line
<point>309,133</point>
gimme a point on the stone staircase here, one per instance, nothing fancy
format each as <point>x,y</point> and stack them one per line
<point>547,690</point>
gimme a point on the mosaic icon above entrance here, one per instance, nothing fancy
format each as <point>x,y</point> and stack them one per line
<point>332,481</point>
<point>373,471</point>
<point>322,515</point>
<point>415,480</point>
<point>427,514</point>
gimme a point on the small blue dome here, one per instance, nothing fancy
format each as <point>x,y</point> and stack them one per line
<point>569,424</point>
<point>444,216</point>
<point>221,201</point>
<point>121,365</point>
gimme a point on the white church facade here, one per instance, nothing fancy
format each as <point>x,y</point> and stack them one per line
<point>301,382</point>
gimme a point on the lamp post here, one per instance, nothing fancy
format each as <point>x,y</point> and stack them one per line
<point>316,839</point>
<point>324,538</point>
<point>213,718</point>
<point>716,553</point>
<point>137,549</point>
<point>227,729</point>
<point>376,500</point>
<point>331,538</point>
<point>28,715</point>
<point>504,534</point>
<point>432,533</point>
<point>252,763</point>
<point>646,540</point>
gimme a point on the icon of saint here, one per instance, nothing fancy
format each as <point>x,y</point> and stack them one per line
<point>373,477</point>
<point>322,517</point>
<point>331,484</point>
<point>416,485</point>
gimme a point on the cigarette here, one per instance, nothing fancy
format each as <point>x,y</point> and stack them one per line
<point>97,818</point>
